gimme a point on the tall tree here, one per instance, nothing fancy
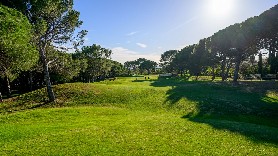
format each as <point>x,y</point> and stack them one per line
<point>97,60</point>
<point>55,22</point>
<point>212,57</point>
<point>220,44</point>
<point>131,66</point>
<point>198,59</point>
<point>181,61</point>
<point>243,42</point>
<point>116,69</point>
<point>145,64</point>
<point>166,60</point>
<point>65,66</point>
<point>16,52</point>
<point>268,33</point>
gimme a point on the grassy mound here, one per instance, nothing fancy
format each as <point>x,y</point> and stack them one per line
<point>138,116</point>
<point>255,102</point>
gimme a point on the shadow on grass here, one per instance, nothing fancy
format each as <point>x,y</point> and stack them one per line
<point>245,107</point>
<point>30,100</point>
<point>150,80</point>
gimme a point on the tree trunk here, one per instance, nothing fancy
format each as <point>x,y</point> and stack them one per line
<point>260,64</point>
<point>197,75</point>
<point>229,64</point>
<point>223,64</point>
<point>271,59</point>
<point>1,98</point>
<point>213,73</point>
<point>47,81</point>
<point>238,60</point>
<point>9,93</point>
<point>31,80</point>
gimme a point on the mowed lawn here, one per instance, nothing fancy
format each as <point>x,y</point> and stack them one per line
<point>138,117</point>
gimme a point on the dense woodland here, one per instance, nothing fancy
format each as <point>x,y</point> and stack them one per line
<point>35,39</point>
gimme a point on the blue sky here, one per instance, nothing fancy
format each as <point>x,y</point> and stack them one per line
<point>147,28</point>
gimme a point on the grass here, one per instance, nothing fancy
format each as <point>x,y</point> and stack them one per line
<point>118,131</point>
<point>143,117</point>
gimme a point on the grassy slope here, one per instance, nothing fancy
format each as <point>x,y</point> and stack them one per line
<point>143,117</point>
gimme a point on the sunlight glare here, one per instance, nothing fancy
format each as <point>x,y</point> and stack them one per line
<point>220,8</point>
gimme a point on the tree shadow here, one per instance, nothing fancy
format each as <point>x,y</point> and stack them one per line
<point>27,101</point>
<point>142,80</point>
<point>247,108</point>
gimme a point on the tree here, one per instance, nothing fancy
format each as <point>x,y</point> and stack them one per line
<point>229,47</point>
<point>131,66</point>
<point>54,23</point>
<point>97,60</point>
<point>181,61</point>
<point>145,64</point>
<point>220,44</point>
<point>243,42</point>
<point>198,59</point>
<point>212,57</point>
<point>65,67</point>
<point>140,64</point>
<point>166,60</point>
<point>116,69</point>
<point>268,34</point>
<point>16,52</point>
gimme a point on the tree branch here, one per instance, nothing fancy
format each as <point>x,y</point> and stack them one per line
<point>52,61</point>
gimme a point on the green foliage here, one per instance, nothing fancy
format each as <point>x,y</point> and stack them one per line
<point>167,59</point>
<point>269,36</point>
<point>117,69</point>
<point>98,62</point>
<point>132,67</point>
<point>228,48</point>
<point>198,59</point>
<point>144,66</point>
<point>64,67</point>
<point>59,21</point>
<point>16,52</point>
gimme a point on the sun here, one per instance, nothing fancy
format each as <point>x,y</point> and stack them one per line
<point>219,8</point>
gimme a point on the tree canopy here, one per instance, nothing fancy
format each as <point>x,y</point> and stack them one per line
<point>229,48</point>
<point>16,51</point>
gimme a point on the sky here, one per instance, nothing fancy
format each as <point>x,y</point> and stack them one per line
<point>135,29</point>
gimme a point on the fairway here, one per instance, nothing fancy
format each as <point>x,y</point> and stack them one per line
<point>115,131</point>
<point>142,117</point>
<point>137,77</point>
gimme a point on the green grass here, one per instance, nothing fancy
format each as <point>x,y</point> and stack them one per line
<point>143,117</point>
<point>118,131</point>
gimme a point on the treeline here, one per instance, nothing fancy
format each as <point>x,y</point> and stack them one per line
<point>90,64</point>
<point>141,66</point>
<point>33,35</point>
<point>33,54</point>
<point>230,52</point>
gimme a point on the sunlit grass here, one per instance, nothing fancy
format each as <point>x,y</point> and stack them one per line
<point>118,131</point>
<point>138,116</point>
